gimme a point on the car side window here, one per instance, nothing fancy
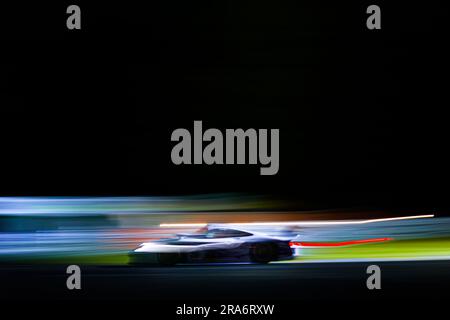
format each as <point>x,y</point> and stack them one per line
<point>225,233</point>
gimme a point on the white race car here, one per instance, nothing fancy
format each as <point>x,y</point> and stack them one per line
<point>213,244</point>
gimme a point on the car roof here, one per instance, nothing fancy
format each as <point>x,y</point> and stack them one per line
<point>228,227</point>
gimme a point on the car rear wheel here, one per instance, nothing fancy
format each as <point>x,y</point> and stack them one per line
<point>168,258</point>
<point>262,253</point>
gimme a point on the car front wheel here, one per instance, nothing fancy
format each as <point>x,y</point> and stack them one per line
<point>168,258</point>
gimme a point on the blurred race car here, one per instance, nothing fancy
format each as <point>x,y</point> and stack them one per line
<point>213,244</point>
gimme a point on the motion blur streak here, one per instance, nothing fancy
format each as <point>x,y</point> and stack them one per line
<point>337,244</point>
<point>74,206</point>
<point>300,223</point>
<point>102,230</point>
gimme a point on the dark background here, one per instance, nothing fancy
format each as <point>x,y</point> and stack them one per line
<point>362,113</point>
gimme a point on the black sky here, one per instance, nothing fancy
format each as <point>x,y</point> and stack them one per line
<point>362,114</point>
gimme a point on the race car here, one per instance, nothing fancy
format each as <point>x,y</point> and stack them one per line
<point>213,244</point>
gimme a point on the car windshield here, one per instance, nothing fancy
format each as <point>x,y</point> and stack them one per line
<point>220,233</point>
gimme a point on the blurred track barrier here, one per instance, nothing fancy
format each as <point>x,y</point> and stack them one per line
<point>103,230</point>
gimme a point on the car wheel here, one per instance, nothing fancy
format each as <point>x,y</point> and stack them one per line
<point>262,253</point>
<point>168,258</point>
<point>139,259</point>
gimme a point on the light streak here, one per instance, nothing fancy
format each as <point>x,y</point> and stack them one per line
<point>298,223</point>
<point>336,244</point>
